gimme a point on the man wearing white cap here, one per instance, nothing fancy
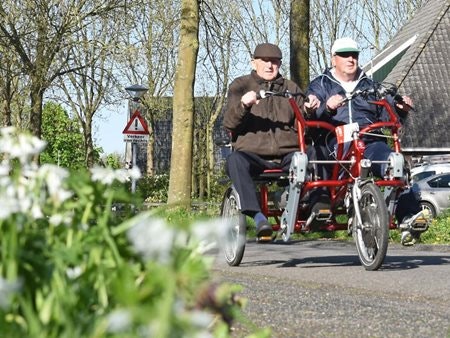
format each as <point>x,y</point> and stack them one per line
<point>331,88</point>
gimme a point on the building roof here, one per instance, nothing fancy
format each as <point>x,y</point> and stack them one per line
<point>417,61</point>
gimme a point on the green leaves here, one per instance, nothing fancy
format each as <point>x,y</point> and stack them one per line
<point>65,142</point>
<point>72,265</point>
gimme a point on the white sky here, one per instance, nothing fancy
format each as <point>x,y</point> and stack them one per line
<point>108,129</point>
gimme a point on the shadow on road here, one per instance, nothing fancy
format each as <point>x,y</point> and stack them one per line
<point>390,262</point>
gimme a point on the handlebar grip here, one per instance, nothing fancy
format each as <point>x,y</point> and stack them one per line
<point>398,98</point>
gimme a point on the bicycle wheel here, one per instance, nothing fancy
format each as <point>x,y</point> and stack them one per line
<point>371,236</point>
<point>234,245</point>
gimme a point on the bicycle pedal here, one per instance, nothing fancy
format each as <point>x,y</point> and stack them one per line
<point>264,239</point>
<point>323,215</point>
<point>420,225</point>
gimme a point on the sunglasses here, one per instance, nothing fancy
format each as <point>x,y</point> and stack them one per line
<point>354,55</point>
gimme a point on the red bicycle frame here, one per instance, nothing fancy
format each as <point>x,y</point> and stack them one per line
<point>338,183</point>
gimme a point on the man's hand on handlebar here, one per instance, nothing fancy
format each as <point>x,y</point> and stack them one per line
<point>334,102</point>
<point>312,103</point>
<point>404,103</point>
<point>249,99</point>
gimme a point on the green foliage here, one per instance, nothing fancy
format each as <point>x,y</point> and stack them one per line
<point>154,188</point>
<point>439,231</point>
<point>65,142</point>
<point>219,185</point>
<point>72,267</point>
<point>113,161</point>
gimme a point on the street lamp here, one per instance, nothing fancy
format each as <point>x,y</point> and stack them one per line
<point>136,92</point>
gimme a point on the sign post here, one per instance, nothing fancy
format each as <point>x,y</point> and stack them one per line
<point>135,131</point>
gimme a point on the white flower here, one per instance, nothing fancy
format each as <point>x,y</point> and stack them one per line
<point>7,289</point>
<point>118,321</point>
<point>60,219</point>
<point>201,319</point>
<point>211,233</point>
<point>5,168</point>
<point>20,146</point>
<point>152,238</point>
<point>9,206</point>
<point>75,272</point>
<point>54,177</point>
<point>108,175</point>
<point>134,173</point>
<point>36,211</point>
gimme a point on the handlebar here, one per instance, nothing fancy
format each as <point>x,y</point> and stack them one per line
<point>267,93</point>
<point>380,90</point>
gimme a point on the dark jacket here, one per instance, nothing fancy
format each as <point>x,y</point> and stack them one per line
<point>357,110</point>
<point>267,128</point>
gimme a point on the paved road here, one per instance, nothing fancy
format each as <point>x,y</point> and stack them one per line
<point>319,289</point>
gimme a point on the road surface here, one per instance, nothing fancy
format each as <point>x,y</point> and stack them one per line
<point>319,289</point>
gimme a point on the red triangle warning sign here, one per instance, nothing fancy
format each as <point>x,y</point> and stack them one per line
<point>136,125</point>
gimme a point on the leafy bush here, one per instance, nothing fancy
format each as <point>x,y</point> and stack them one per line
<point>439,231</point>
<point>154,188</point>
<point>71,267</point>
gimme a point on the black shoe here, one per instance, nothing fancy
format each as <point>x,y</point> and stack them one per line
<point>263,229</point>
<point>320,201</point>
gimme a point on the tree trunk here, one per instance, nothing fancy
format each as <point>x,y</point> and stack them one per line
<point>36,95</point>
<point>89,144</point>
<point>183,107</point>
<point>150,150</point>
<point>299,35</point>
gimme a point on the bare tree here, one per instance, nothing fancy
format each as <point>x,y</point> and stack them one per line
<point>373,23</point>
<point>183,106</point>
<point>217,28</point>
<point>40,34</point>
<point>148,57</point>
<point>12,105</point>
<point>91,85</point>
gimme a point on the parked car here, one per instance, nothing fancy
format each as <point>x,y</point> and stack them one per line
<point>433,193</point>
<point>427,170</point>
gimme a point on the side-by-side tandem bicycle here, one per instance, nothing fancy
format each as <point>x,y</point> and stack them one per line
<point>358,202</point>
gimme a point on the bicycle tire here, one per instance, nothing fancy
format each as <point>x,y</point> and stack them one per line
<point>234,244</point>
<point>372,236</point>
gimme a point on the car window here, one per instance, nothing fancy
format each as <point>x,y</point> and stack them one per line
<point>422,175</point>
<point>440,182</point>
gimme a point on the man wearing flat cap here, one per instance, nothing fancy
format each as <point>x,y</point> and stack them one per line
<point>263,131</point>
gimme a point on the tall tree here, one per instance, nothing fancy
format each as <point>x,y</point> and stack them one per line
<point>216,29</point>
<point>149,58</point>
<point>299,46</point>
<point>92,84</point>
<point>183,106</point>
<point>11,89</point>
<point>38,32</point>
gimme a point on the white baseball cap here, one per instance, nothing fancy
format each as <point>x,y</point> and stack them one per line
<point>344,45</point>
